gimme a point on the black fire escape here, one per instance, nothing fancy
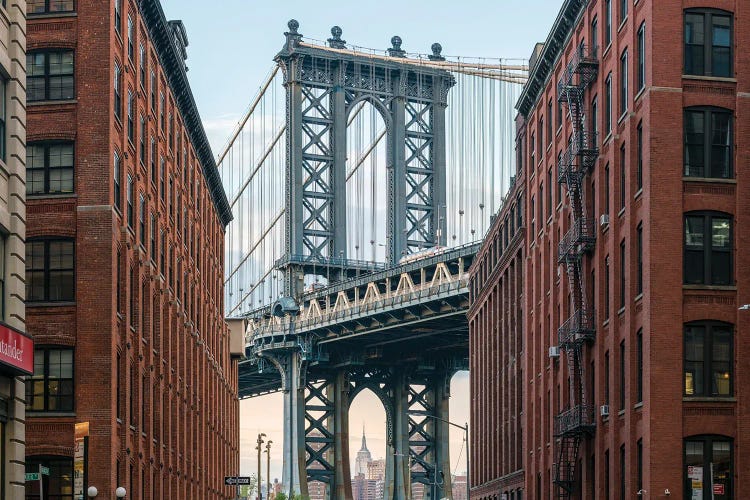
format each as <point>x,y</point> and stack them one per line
<point>577,422</point>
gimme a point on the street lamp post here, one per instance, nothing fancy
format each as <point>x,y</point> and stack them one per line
<point>259,447</point>
<point>464,428</point>
<point>268,470</point>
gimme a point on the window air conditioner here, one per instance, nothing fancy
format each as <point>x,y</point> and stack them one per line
<point>554,351</point>
<point>604,410</point>
<point>604,220</point>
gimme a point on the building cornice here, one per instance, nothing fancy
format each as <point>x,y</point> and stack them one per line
<point>174,68</point>
<point>553,46</point>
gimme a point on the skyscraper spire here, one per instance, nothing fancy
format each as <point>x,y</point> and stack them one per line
<point>364,441</point>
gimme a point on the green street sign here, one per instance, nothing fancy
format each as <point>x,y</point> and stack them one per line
<point>45,470</point>
<point>245,490</point>
<point>32,476</point>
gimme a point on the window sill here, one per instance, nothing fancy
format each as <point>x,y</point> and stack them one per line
<point>638,405</point>
<point>50,196</point>
<point>639,94</point>
<point>638,298</point>
<point>605,323</point>
<point>48,15</point>
<point>709,399</point>
<point>717,180</point>
<point>623,116</point>
<point>621,212</point>
<point>607,138</point>
<point>606,51</point>
<point>51,304</point>
<point>718,288</point>
<point>638,194</point>
<point>621,413</point>
<point>710,78</point>
<point>621,311</point>
<point>58,102</point>
<point>622,23</point>
<point>50,414</point>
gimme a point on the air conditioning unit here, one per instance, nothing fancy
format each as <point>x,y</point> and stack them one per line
<point>604,220</point>
<point>604,410</point>
<point>554,351</point>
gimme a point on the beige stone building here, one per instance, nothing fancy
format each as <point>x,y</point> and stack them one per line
<point>16,349</point>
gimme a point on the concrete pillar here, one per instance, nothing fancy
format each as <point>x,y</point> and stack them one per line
<point>294,473</point>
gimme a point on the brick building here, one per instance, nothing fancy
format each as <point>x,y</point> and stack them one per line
<point>16,347</point>
<point>495,347</point>
<point>124,260</point>
<point>631,141</point>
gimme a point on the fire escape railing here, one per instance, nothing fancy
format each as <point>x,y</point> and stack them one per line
<point>573,424</point>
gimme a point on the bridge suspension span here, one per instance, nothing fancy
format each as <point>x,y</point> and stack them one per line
<point>360,182</point>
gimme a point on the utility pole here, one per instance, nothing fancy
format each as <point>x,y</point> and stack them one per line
<point>268,470</point>
<point>259,447</point>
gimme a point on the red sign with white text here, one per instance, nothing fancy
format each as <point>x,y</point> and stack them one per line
<point>718,489</point>
<point>16,351</point>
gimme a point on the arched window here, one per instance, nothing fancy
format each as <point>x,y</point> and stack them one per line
<point>708,467</point>
<point>708,359</point>
<point>708,249</point>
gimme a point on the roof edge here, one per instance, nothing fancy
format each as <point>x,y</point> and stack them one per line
<point>174,68</point>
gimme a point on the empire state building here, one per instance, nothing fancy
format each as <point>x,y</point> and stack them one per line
<point>363,457</point>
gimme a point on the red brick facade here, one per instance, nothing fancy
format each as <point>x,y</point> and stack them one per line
<point>495,346</point>
<point>152,370</point>
<point>641,448</point>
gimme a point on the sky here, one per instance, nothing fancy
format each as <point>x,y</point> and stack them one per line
<point>230,52</point>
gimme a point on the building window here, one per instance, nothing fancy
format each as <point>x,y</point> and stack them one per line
<point>708,359</point>
<point>606,471</point>
<point>153,91</point>
<point>639,160</point>
<point>639,465</point>
<point>131,202</point>
<point>607,22</point>
<point>131,41</point>
<point>48,6</point>
<point>623,469</point>
<point>142,63</point>
<point>708,143</point>
<point>142,220</point>
<point>606,378</point>
<point>50,268</point>
<point>49,75</point>
<point>49,168</point>
<point>608,104</point>
<point>622,374</point>
<point>3,113</point>
<point>549,122</point>
<point>153,160</point>
<point>532,213</point>
<point>162,120</point>
<point>708,249</point>
<point>606,287</point>
<point>152,233</point>
<point>118,92</point>
<point>131,118</point>
<point>606,189</point>
<point>595,37</point>
<point>162,182</point>
<point>708,43</point>
<point>622,274</point>
<point>624,82</point>
<point>118,16</point>
<point>143,141</point>
<point>708,468</point>
<point>50,388</point>
<point>642,56</point>
<point>532,146</point>
<point>623,176</point>
<point>117,173</point>
<point>595,120</point>
<point>58,485</point>
<point>639,249</point>
<point>639,367</point>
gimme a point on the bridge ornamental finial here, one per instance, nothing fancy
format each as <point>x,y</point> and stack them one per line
<point>436,50</point>
<point>293,37</point>
<point>396,51</point>
<point>335,41</point>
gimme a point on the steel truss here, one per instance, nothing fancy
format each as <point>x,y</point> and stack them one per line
<point>577,421</point>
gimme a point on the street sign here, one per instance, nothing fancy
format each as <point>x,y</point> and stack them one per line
<point>45,470</point>
<point>235,480</point>
<point>32,476</point>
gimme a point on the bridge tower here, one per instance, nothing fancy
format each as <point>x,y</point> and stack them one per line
<point>578,421</point>
<point>323,87</point>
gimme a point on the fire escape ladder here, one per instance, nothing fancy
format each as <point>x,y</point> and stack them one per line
<point>576,422</point>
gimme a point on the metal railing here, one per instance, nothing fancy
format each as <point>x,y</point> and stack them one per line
<point>579,327</point>
<point>580,238</point>
<point>584,146</point>
<point>576,420</point>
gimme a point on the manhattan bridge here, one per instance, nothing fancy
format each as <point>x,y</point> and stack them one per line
<point>361,184</point>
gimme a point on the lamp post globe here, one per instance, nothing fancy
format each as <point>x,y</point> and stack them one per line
<point>92,491</point>
<point>120,492</point>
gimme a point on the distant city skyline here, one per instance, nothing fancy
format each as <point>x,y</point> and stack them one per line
<point>238,41</point>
